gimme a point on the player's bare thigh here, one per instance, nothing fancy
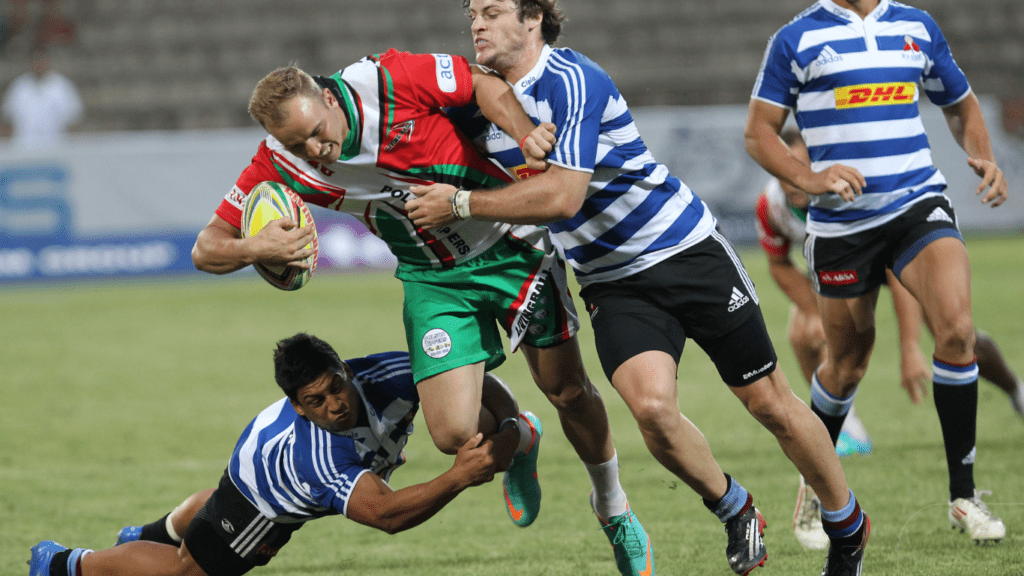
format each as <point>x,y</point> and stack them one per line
<point>451,403</point>
<point>939,277</point>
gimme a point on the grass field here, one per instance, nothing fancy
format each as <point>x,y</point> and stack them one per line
<point>118,400</point>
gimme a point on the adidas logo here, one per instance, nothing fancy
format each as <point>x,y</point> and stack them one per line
<point>970,457</point>
<point>828,56</point>
<point>738,299</point>
<point>939,215</point>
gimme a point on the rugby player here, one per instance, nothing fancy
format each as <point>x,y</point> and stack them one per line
<point>327,448</point>
<point>852,72</point>
<point>781,225</point>
<point>653,270</point>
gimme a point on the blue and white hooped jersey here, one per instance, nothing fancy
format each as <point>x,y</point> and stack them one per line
<point>854,86</point>
<point>636,213</point>
<point>293,471</point>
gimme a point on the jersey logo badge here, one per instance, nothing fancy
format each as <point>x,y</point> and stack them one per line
<point>437,343</point>
<point>909,44</point>
<point>400,130</point>
<point>444,67</point>
<point>882,94</point>
<point>828,56</point>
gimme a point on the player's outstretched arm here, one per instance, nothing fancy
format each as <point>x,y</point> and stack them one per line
<point>220,248</point>
<point>762,141</point>
<point>373,503</point>
<point>548,197</point>
<point>967,123</point>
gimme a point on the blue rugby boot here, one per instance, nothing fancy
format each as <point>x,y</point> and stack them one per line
<point>42,557</point>
<point>128,534</point>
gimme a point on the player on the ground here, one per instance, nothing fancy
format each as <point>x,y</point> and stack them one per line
<point>354,142</point>
<point>327,448</point>
<point>851,73</point>
<point>653,270</point>
<point>781,226</point>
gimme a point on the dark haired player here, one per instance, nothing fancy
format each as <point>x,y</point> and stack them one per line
<point>327,448</point>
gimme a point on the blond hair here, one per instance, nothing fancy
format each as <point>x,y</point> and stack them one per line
<point>277,88</point>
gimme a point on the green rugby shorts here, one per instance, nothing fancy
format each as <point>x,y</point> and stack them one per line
<point>452,316</point>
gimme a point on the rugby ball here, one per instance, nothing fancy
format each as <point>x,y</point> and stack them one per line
<point>269,201</point>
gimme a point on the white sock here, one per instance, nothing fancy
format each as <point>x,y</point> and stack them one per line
<point>854,427</point>
<point>170,526</point>
<point>609,497</point>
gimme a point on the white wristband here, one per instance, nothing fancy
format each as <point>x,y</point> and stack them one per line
<point>460,204</point>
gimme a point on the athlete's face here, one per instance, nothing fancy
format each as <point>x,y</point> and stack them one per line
<point>795,196</point>
<point>314,128</point>
<point>500,39</point>
<point>330,402</point>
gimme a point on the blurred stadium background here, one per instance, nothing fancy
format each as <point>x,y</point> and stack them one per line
<point>165,87</point>
<point>122,397</point>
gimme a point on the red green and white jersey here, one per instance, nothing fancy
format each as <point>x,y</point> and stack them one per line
<point>780,225</point>
<point>399,136</point>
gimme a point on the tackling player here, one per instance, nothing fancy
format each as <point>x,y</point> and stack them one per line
<point>852,72</point>
<point>354,142</point>
<point>327,448</point>
<point>653,270</point>
<point>781,226</point>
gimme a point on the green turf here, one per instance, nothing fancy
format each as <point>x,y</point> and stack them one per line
<point>118,400</point>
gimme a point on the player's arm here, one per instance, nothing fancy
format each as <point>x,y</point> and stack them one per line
<point>373,503</point>
<point>498,103</point>
<point>914,374</point>
<point>553,195</point>
<point>220,247</point>
<point>967,123</point>
<point>793,282</point>
<point>766,147</point>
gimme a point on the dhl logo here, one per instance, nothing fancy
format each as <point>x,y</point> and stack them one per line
<point>884,94</point>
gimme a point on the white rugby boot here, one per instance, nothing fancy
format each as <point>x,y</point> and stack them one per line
<point>807,519</point>
<point>972,516</point>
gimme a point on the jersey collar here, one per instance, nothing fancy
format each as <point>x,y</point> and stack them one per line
<point>349,102</point>
<point>850,15</point>
<point>538,69</point>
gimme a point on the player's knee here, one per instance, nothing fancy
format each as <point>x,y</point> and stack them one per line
<point>655,414</point>
<point>571,394</point>
<point>450,440</point>
<point>766,407</point>
<point>957,339</point>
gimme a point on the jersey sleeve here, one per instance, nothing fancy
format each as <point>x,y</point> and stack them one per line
<point>440,80</point>
<point>577,104</point>
<point>776,83</point>
<point>337,474</point>
<point>259,170</point>
<point>772,241</point>
<point>943,80</point>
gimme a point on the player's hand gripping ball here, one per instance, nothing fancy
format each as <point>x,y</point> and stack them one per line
<point>271,201</point>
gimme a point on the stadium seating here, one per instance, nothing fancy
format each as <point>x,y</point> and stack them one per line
<point>188,64</point>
